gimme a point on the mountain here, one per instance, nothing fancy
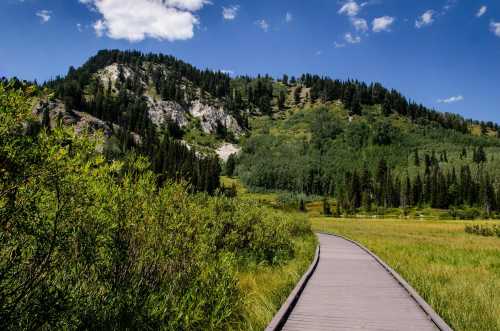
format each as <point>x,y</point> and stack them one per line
<point>361,143</point>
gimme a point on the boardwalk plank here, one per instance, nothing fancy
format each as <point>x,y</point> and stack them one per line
<point>350,290</point>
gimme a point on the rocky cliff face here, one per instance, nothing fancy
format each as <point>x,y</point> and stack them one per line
<point>211,115</point>
<point>54,113</point>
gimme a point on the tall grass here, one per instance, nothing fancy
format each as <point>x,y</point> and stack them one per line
<point>457,273</point>
<point>265,288</point>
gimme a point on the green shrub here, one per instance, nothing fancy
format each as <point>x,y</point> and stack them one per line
<point>293,200</point>
<point>483,230</point>
<point>91,244</point>
<point>467,213</point>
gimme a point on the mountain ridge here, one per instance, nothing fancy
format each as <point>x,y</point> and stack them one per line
<point>312,134</point>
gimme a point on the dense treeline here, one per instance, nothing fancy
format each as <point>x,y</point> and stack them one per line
<point>435,188</point>
<point>354,94</point>
<point>87,244</point>
<point>124,105</point>
<point>320,152</point>
<point>216,83</point>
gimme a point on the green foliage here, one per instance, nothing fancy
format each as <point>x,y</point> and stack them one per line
<point>483,230</point>
<point>289,200</point>
<point>128,110</point>
<point>231,165</point>
<point>384,133</point>
<point>324,128</point>
<point>91,244</point>
<point>327,210</point>
<point>322,151</point>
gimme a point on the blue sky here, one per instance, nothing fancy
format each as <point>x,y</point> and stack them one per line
<point>442,53</point>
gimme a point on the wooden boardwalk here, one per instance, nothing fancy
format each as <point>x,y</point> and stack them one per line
<point>350,290</point>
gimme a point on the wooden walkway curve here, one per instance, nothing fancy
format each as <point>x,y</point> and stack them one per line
<point>351,289</point>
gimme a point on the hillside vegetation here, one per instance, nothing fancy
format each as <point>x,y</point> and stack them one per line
<point>90,243</point>
<point>367,147</point>
<point>371,161</point>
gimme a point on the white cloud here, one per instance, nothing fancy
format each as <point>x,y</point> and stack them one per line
<point>319,53</point>
<point>190,5</point>
<point>44,15</point>
<point>351,39</point>
<point>99,28</point>
<point>481,11</point>
<point>227,72</point>
<point>425,19</point>
<point>339,45</point>
<point>359,24</point>
<point>288,17</point>
<point>263,25</point>
<point>230,13</point>
<point>449,5</point>
<point>495,28</point>
<point>135,20</point>
<point>350,8</point>
<point>383,23</point>
<point>79,27</point>
<point>454,99</point>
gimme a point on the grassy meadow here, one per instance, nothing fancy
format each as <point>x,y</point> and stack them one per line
<point>457,273</point>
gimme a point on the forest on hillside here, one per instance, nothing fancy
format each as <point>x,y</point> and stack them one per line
<point>370,162</point>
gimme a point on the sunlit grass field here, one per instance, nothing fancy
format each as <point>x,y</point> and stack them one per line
<point>457,273</point>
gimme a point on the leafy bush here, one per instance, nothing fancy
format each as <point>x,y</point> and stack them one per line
<point>91,244</point>
<point>293,200</point>
<point>465,213</point>
<point>483,230</point>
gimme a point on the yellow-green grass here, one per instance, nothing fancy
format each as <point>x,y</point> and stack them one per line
<point>315,209</point>
<point>266,287</point>
<point>269,199</point>
<point>457,273</point>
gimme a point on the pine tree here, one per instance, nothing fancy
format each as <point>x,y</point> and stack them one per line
<point>296,95</point>
<point>285,79</point>
<point>230,165</point>
<point>406,194</point>
<point>327,211</point>
<point>417,191</point>
<point>302,206</point>
<point>416,158</point>
<point>480,155</point>
<point>387,106</point>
